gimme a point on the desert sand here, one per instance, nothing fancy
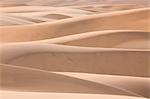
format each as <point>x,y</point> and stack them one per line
<point>137,18</point>
<point>78,59</point>
<point>66,49</point>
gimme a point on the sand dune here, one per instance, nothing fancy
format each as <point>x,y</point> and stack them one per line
<point>132,39</point>
<point>70,2</point>
<point>38,14</point>
<point>79,49</point>
<point>106,39</point>
<point>34,9</point>
<point>28,79</point>
<point>137,18</point>
<point>65,58</point>
<point>24,95</point>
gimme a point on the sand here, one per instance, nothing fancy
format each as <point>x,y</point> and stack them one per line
<point>137,18</point>
<point>74,49</point>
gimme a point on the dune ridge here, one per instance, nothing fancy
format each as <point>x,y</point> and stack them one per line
<point>102,81</point>
<point>71,2</point>
<point>138,21</point>
<point>77,58</point>
<point>74,49</point>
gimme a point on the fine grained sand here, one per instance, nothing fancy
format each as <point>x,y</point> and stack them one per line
<point>77,50</point>
<point>137,18</point>
<point>78,59</point>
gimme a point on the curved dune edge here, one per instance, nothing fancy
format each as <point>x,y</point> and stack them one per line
<point>137,18</point>
<point>47,81</point>
<point>132,39</point>
<point>112,39</point>
<point>75,52</point>
<point>39,12</point>
<point>107,38</point>
<point>60,3</point>
<point>77,59</point>
<point>25,95</point>
<point>34,9</point>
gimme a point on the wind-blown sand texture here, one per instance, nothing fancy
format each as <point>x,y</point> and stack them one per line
<point>74,49</point>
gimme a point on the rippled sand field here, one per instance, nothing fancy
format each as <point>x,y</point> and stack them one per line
<point>74,49</point>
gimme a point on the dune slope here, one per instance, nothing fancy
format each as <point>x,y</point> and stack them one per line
<point>78,50</point>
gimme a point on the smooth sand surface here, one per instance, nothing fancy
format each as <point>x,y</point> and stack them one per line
<point>78,59</point>
<point>106,39</point>
<point>78,50</point>
<point>30,79</point>
<point>25,95</point>
<point>137,18</point>
<point>70,2</point>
